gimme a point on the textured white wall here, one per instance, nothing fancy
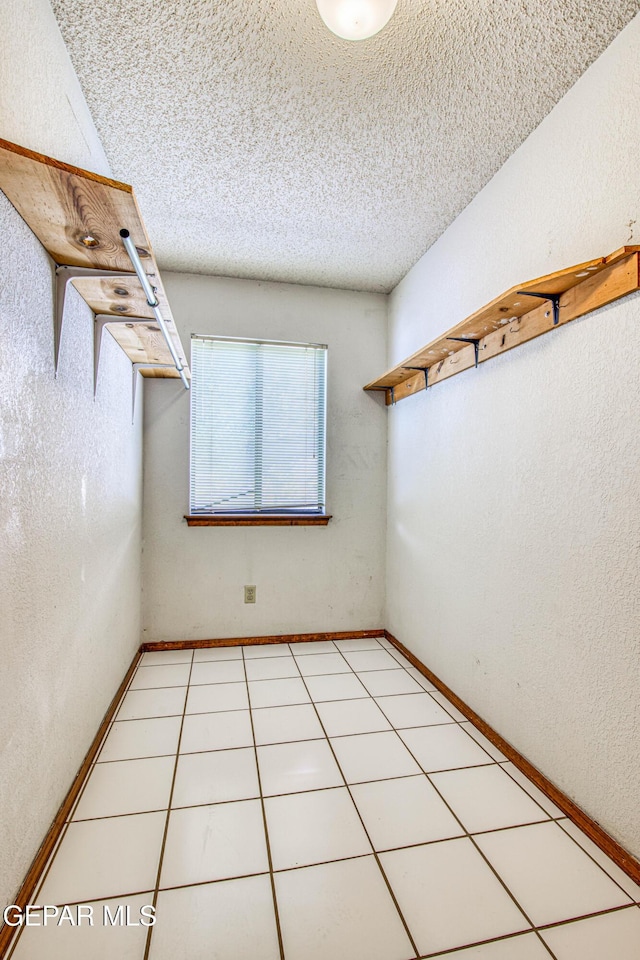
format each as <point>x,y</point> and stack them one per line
<point>70,476</point>
<point>42,105</point>
<point>308,578</point>
<point>514,516</point>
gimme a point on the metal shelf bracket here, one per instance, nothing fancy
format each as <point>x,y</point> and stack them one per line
<point>476,344</point>
<point>64,275</point>
<point>554,298</point>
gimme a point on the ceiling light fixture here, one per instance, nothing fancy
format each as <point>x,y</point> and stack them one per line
<point>356,19</point>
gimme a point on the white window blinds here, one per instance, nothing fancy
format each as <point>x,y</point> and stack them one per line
<point>258,414</point>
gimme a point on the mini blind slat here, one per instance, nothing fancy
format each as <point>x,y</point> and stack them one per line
<point>258,415</point>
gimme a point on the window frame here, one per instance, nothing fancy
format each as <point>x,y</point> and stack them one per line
<point>272,516</point>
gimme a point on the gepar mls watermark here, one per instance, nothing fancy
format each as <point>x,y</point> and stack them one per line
<point>78,915</point>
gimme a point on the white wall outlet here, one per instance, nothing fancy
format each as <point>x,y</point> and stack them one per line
<point>249,593</point>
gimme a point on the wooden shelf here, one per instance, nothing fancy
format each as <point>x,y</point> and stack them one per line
<point>63,204</point>
<point>514,318</point>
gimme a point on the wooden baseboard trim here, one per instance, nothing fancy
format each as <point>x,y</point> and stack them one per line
<point>152,646</point>
<point>621,857</point>
<point>41,858</point>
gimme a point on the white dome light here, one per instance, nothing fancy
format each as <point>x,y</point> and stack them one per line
<point>356,19</point>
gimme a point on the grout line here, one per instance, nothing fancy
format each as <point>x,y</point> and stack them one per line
<point>314,704</point>
<point>264,820</point>
<point>548,817</point>
<point>591,857</point>
<point>586,916</point>
<point>365,696</point>
<point>469,836</point>
<point>481,943</point>
<point>358,783</point>
<point>361,856</point>
<point>466,833</point>
<point>586,824</point>
<point>535,800</point>
<point>414,946</point>
<point>166,823</point>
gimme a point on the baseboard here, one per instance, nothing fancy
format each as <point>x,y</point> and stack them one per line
<point>590,827</point>
<point>155,645</point>
<point>30,883</point>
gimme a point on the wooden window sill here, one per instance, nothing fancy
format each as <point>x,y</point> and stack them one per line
<point>257,520</point>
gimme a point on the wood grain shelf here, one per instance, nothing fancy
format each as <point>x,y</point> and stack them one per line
<point>68,208</point>
<point>514,318</point>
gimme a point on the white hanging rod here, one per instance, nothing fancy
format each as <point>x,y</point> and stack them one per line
<point>153,302</point>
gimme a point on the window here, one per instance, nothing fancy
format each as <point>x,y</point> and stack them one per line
<point>257,427</point>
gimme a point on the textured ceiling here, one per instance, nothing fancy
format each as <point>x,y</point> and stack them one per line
<point>260,145</point>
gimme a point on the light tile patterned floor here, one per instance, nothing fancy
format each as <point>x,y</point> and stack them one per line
<point>320,802</point>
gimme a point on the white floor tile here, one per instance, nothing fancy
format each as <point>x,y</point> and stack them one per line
<point>449,896</point>
<point>548,874</point>
<point>365,660</point>
<point>449,707</point>
<point>126,786</point>
<point>228,920</point>
<point>358,643</point>
<point>215,777</point>
<point>421,679</point>
<point>622,879</point>
<point>613,936</point>
<point>413,710</point>
<point>373,756</point>
<point>131,739</point>
<point>277,693</point>
<point>339,910</point>
<point>285,724</point>
<point>98,942</point>
<point>486,744</point>
<point>104,858</point>
<point>340,686</point>
<point>297,767</point>
<point>399,813</point>
<point>217,671</point>
<point>322,663</point>
<point>387,683</point>
<point>532,790</point>
<point>216,697</point>
<point>443,747</point>
<point>156,658</point>
<point>216,731</point>
<point>312,646</point>
<point>352,716</point>
<point>402,660</point>
<point>525,946</point>
<point>217,653</point>
<point>485,798</point>
<point>165,702</point>
<point>271,668</point>
<point>214,843</point>
<point>257,651</point>
<point>307,828</point>
<point>171,675</point>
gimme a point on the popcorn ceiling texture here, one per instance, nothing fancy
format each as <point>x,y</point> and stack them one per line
<point>262,146</point>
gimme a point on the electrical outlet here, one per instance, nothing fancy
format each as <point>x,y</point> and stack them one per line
<point>249,593</point>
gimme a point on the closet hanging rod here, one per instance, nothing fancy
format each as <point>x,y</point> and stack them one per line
<point>153,302</point>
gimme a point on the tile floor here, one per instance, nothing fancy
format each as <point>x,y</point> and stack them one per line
<point>319,802</point>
